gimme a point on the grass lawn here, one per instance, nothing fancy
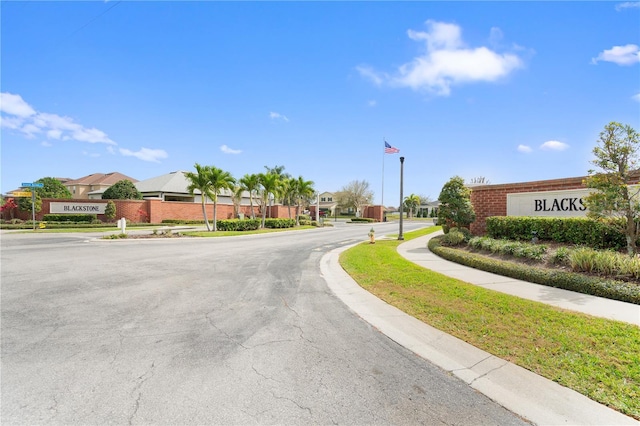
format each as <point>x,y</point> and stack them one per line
<point>85,230</point>
<point>235,233</point>
<point>597,357</point>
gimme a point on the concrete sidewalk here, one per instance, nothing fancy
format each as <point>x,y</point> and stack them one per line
<point>416,251</point>
<point>533,397</point>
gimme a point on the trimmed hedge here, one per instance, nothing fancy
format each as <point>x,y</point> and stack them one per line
<point>279,223</point>
<point>183,222</point>
<point>611,289</point>
<point>362,219</point>
<point>574,230</point>
<point>76,218</point>
<point>237,224</point>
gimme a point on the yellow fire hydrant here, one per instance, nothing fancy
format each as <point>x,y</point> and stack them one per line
<point>372,236</point>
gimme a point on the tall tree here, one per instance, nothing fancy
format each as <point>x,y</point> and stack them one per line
<point>250,183</point>
<point>303,191</point>
<point>199,181</point>
<point>122,190</point>
<point>236,197</point>
<point>288,192</point>
<point>455,204</point>
<point>270,186</point>
<point>412,202</point>
<point>219,180</point>
<point>52,188</point>
<point>282,177</point>
<point>617,155</point>
<point>355,194</point>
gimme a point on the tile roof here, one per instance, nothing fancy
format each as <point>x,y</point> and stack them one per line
<point>174,182</point>
<point>100,179</point>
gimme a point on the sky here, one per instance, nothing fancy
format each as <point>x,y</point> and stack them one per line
<point>507,91</point>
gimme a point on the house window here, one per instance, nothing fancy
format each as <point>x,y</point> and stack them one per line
<point>330,199</point>
<point>323,199</point>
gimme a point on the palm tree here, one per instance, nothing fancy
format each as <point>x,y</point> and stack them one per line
<point>288,190</point>
<point>251,183</point>
<point>412,202</point>
<point>219,180</point>
<point>270,185</point>
<point>282,176</point>
<point>303,190</point>
<point>236,198</point>
<point>200,181</point>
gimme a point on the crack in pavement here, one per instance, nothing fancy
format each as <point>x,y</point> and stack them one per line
<point>224,332</point>
<point>142,379</point>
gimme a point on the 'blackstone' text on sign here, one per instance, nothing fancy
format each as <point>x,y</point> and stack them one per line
<point>566,203</point>
<point>75,208</point>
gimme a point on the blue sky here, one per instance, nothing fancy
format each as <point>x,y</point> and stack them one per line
<point>509,91</point>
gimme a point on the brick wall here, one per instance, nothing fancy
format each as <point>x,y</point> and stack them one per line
<point>155,211</point>
<point>491,200</point>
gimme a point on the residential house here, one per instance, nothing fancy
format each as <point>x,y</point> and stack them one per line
<point>92,187</point>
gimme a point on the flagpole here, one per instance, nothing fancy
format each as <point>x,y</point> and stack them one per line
<point>383,141</point>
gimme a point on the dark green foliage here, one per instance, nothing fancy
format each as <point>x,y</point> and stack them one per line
<point>452,238</point>
<point>183,221</point>
<point>237,224</point>
<point>122,190</point>
<point>575,230</point>
<point>455,204</point>
<point>279,223</point>
<point>75,218</point>
<point>362,219</point>
<point>611,289</point>
<point>110,210</point>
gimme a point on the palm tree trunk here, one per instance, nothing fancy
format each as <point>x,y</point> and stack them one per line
<point>204,213</point>
<point>215,222</point>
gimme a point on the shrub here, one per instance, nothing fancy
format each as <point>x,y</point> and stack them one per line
<point>362,219</point>
<point>560,257</point>
<point>237,224</point>
<point>574,230</point>
<point>596,286</point>
<point>75,218</point>
<point>453,238</point>
<point>279,223</point>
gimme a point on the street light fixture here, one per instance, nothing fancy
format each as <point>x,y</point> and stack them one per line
<point>400,235</point>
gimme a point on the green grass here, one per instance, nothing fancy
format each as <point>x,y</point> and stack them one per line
<point>76,230</point>
<point>597,357</point>
<point>235,233</point>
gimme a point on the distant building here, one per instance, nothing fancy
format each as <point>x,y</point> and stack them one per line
<point>92,186</point>
<point>173,187</point>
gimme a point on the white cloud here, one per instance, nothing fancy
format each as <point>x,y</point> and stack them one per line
<point>15,105</point>
<point>54,134</point>
<point>372,103</point>
<point>30,130</point>
<point>90,154</point>
<point>111,149</point>
<point>278,116</point>
<point>228,150</point>
<point>636,97</point>
<point>46,144</point>
<point>621,55</point>
<point>13,123</point>
<point>554,146</point>
<point>22,117</point>
<point>447,62</point>
<point>368,72</point>
<point>524,148</point>
<point>627,5</point>
<point>145,154</point>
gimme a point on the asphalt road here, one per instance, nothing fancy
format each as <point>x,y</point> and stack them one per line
<point>233,330</point>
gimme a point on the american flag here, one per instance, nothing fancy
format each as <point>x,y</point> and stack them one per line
<point>388,149</point>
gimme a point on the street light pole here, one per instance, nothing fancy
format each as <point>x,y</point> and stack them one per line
<point>400,236</point>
